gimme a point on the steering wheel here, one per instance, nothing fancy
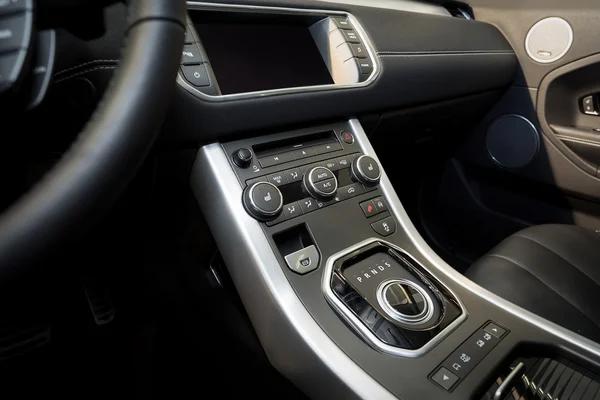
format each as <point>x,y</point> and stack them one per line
<point>113,144</point>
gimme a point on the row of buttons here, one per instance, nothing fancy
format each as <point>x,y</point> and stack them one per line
<point>193,64</point>
<point>468,355</point>
<point>347,36</point>
<point>373,207</point>
<point>296,174</point>
<point>299,154</point>
<point>297,208</point>
<point>16,29</point>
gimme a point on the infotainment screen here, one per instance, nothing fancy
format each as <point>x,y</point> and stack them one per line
<point>248,57</point>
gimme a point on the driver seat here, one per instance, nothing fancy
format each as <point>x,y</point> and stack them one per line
<point>550,270</point>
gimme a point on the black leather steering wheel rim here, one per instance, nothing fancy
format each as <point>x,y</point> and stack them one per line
<point>114,143</point>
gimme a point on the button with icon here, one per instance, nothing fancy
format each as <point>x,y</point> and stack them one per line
<point>308,205</point>
<point>368,208</point>
<point>385,227</point>
<point>197,75</point>
<point>380,204</point>
<point>293,175</point>
<point>292,210</point>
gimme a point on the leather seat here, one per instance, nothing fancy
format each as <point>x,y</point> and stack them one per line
<point>550,270</point>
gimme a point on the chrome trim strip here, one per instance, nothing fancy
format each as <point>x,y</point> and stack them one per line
<point>445,271</point>
<point>196,5</point>
<point>422,317</point>
<point>357,324</point>
<point>274,308</point>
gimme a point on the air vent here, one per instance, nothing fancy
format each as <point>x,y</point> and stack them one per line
<point>459,10</point>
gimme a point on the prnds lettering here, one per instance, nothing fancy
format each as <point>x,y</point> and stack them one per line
<point>372,272</point>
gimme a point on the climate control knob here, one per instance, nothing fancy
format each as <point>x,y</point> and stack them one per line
<point>366,170</point>
<point>263,201</point>
<point>320,183</point>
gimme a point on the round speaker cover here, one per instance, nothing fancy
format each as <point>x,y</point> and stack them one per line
<point>549,39</point>
<point>512,141</point>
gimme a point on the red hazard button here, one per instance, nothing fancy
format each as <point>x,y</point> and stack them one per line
<point>347,137</point>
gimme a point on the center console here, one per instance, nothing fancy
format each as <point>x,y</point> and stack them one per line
<point>346,297</point>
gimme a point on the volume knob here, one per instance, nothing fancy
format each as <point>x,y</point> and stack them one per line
<point>242,157</point>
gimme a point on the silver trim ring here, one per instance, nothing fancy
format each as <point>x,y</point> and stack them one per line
<point>421,318</point>
<point>357,325</point>
<point>556,57</point>
<point>257,208</point>
<point>362,174</point>
<point>312,184</point>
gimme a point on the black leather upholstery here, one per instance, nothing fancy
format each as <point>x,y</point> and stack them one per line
<point>551,270</point>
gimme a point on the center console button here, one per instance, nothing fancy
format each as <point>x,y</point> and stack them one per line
<point>303,261</point>
<point>275,159</point>
<point>494,330</point>
<point>331,164</point>
<point>327,147</point>
<point>343,162</point>
<point>380,204</point>
<point>369,208</point>
<point>326,187</point>
<point>444,378</point>
<point>292,210</point>
<point>293,175</point>
<point>263,201</point>
<point>304,152</point>
<point>278,179</point>
<point>321,174</point>
<point>346,192</point>
<point>347,137</point>
<point>385,227</point>
<point>308,205</point>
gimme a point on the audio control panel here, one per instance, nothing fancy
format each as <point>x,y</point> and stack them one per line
<point>288,175</point>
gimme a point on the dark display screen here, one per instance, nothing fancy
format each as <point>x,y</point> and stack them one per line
<point>247,57</point>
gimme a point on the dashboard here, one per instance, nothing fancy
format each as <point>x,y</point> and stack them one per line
<point>408,68</point>
<point>317,242</point>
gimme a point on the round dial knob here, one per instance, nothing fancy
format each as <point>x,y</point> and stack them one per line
<point>263,201</point>
<point>320,183</point>
<point>406,302</point>
<point>242,157</point>
<point>366,170</point>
